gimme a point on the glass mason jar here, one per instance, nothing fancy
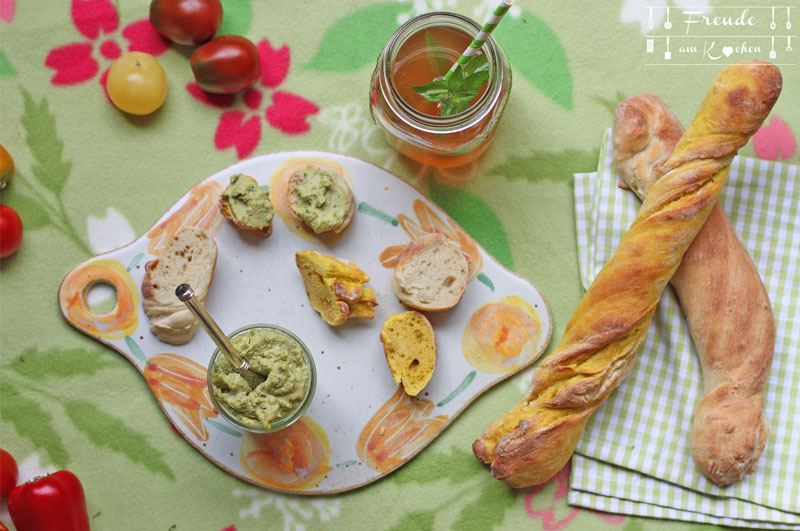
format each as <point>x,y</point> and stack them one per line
<point>442,141</point>
<point>283,422</point>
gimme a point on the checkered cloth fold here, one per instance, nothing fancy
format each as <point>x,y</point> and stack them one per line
<point>635,455</point>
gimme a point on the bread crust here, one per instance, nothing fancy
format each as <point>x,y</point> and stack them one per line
<point>532,442</point>
<point>726,305</point>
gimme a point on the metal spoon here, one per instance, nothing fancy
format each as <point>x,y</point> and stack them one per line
<point>185,294</point>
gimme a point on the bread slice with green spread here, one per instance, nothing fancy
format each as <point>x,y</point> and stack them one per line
<point>190,257</point>
<point>431,273</point>
<point>335,288</point>
<point>410,347</point>
<point>322,199</point>
<point>247,206</point>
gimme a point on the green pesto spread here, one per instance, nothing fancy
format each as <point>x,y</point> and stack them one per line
<point>248,202</point>
<point>319,201</point>
<point>279,359</point>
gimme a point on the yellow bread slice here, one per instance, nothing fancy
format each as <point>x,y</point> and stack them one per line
<point>410,347</point>
<point>335,288</point>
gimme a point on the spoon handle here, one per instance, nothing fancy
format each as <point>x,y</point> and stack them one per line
<point>185,293</point>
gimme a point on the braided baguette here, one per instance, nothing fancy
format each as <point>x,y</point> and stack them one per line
<point>529,444</point>
<point>725,302</point>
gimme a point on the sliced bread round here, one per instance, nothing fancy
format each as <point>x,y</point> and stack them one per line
<point>244,193</point>
<point>431,273</point>
<point>410,347</point>
<point>321,198</point>
<point>189,257</point>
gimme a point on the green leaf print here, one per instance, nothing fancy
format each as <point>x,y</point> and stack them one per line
<point>57,363</point>
<point>237,17</point>
<point>50,172</point>
<point>535,52</point>
<point>610,104</point>
<point>476,217</point>
<point>418,521</point>
<point>633,524</point>
<point>494,494</point>
<point>357,39</point>
<point>32,422</point>
<point>97,425</point>
<point>33,214</point>
<point>457,467</point>
<point>554,167</point>
<point>6,68</point>
<point>47,149</point>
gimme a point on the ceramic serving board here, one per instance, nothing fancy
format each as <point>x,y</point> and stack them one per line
<point>360,425</point>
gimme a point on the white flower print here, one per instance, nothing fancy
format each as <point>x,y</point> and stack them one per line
<point>482,12</point>
<point>425,6</point>
<point>351,127</point>
<point>296,513</point>
<point>110,232</point>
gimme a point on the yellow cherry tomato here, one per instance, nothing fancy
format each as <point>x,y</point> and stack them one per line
<point>137,83</point>
<point>6,167</point>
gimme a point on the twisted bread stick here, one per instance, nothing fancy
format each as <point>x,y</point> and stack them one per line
<point>725,302</point>
<point>533,441</point>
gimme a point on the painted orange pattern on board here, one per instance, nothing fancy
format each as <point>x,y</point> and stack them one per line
<point>427,223</point>
<point>502,335</point>
<point>400,427</point>
<point>181,385</point>
<point>294,458</point>
<point>200,210</point>
<point>122,320</point>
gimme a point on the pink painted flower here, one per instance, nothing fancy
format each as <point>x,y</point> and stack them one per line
<point>241,128</point>
<point>548,517</point>
<point>98,22</point>
<point>774,140</point>
<point>7,8</point>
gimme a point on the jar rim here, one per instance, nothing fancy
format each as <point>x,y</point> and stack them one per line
<point>284,422</point>
<point>428,122</point>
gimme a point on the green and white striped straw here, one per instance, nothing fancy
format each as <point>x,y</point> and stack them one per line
<point>479,39</point>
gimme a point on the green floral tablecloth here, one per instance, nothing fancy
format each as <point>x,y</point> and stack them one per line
<point>90,179</point>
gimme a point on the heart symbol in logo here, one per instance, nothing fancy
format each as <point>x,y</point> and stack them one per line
<point>728,50</point>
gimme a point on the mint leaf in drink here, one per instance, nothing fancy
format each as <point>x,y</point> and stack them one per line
<point>436,90</point>
<point>438,57</point>
<point>455,94</point>
<point>477,63</point>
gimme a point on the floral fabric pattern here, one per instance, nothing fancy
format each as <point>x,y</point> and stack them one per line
<point>98,21</point>
<point>287,112</point>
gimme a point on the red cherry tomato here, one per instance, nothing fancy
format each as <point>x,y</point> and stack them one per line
<point>186,21</point>
<point>10,231</point>
<point>9,474</point>
<point>226,65</point>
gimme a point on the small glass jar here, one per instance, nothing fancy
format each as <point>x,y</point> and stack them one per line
<point>442,141</point>
<point>280,423</point>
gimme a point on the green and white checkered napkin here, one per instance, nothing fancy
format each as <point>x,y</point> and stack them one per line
<point>634,457</point>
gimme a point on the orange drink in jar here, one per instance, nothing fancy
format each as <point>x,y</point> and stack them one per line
<point>421,50</point>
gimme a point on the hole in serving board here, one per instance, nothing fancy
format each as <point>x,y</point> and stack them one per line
<point>100,297</point>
